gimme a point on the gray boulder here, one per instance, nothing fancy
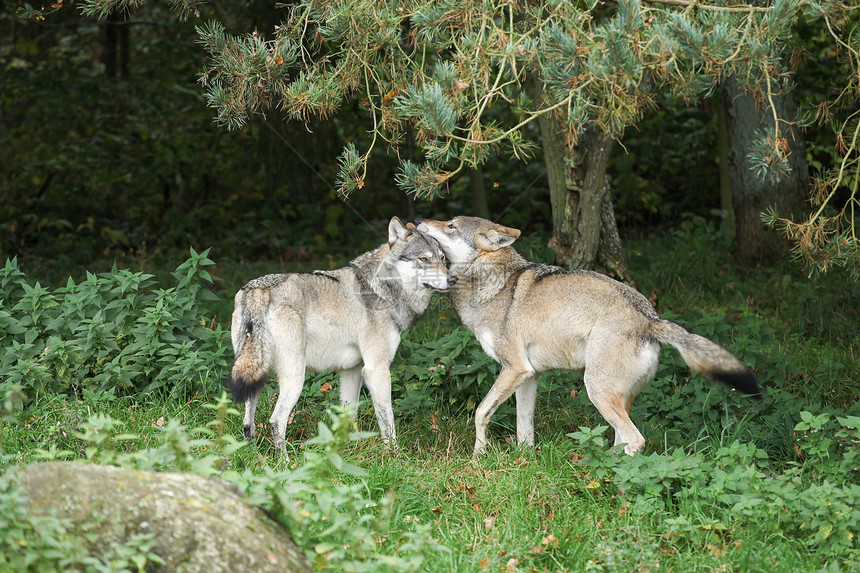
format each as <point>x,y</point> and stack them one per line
<point>198,524</point>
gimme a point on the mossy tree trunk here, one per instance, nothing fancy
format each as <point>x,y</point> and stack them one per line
<point>585,234</point>
<point>746,117</point>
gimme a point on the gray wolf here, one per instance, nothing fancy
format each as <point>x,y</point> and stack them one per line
<point>348,319</point>
<point>532,317</point>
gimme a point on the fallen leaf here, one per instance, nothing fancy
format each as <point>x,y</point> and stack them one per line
<point>488,522</point>
<point>325,387</point>
<point>550,541</point>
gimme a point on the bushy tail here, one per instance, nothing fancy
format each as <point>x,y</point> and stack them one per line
<point>251,345</point>
<point>708,357</point>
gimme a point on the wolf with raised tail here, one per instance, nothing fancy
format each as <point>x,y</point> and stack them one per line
<point>532,317</point>
<point>348,319</point>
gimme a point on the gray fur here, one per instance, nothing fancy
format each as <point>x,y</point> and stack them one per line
<point>532,317</point>
<point>349,319</point>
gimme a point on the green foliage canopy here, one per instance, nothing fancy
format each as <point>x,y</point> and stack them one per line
<point>437,69</point>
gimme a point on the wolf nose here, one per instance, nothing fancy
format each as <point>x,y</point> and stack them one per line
<point>452,280</point>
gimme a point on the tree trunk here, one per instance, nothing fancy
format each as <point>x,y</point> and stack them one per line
<point>752,194</point>
<point>115,52</point>
<point>478,193</point>
<point>585,234</point>
<point>726,196</point>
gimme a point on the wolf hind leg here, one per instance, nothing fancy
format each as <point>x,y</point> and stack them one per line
<point>290,384</point>
<point>613,408</point>
<point>350,389</point>
<point>612,384</point>
<point>250,411</point>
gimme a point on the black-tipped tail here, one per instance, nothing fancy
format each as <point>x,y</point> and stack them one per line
<point>241,388</point>
<point>742,380</point>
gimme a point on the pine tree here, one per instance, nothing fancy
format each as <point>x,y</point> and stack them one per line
<point>585,70</point>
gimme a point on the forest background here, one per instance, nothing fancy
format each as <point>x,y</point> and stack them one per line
<point>112,161</point>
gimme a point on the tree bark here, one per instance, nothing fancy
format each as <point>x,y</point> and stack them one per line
<point>752,194</point>
<point>585,234</point>
<point>478,193</point>
<point>726,195</point>
<point>116,47</point>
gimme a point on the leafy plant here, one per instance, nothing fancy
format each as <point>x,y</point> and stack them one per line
<point>691,495</point>
<point>111,332</point>
<point>322,501</point>
<point>452,370</point>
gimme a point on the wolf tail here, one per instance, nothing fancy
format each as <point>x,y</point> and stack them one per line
<point>252,344</point>
<point>708,357</point>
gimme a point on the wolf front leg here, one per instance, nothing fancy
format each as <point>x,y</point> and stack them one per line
<point>506,384</point>
<point>378,380</point>
<point>526,394</point>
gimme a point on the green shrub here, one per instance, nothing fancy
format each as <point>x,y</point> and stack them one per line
<point>693,494</point>
<point>112,332</point>
<point>451,371</point>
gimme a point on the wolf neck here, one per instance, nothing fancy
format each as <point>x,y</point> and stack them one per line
<point>404,305</point>
<point>482,279</point>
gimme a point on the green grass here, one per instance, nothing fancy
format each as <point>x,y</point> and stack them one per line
<point>518,509</point>
<point>694,502</point>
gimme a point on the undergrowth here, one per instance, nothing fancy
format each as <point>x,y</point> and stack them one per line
<point>123,370</point>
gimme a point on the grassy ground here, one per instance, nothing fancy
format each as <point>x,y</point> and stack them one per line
<point>564,506</point>
<point>516,509</point>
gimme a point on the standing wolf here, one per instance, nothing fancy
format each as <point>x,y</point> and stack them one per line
<point>532,317</point>
<point>349,319</point>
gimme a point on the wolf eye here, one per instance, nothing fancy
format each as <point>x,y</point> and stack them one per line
<point>423,259</point>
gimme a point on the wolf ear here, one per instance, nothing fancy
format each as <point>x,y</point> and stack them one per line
<point>494,240</point>
<point>397,231</point>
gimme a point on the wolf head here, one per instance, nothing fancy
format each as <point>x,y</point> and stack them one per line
<point>416,259</point>
<point>463,239</point>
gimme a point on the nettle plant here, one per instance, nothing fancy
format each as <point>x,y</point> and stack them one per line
<point>452,370</point>
<point>693,494</point>
<point>113,332</point>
